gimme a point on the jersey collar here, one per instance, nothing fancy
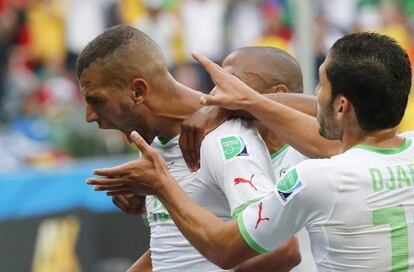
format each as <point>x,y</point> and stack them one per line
<point>386,151</point>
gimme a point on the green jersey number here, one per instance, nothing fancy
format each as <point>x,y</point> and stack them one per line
<point>395,217</point>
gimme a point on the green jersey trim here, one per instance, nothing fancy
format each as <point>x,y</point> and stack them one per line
<point>145,221</point>
<point>280,151</point>
<point>386,151</point>
<point>247,238</point>
<point>241,208</point>
<point>165,140</point>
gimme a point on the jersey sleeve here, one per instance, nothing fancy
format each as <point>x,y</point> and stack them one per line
<point>297,201</point>
<point>240,167</point>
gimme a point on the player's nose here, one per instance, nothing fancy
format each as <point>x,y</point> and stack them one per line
<point>90,115</point>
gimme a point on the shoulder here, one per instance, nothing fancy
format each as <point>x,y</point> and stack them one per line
<point>307,181</point>
<point>234,138</point>
<point>233,126</point>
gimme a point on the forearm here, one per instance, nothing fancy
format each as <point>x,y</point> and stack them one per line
<point>143,264</point>
<point>299,102</point>
<point>282,259</point>
<point>294,127</point>
<point>218,241</point>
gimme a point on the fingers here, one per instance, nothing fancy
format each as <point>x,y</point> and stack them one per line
<point>114,193</point>
<point>184,145</point>
<point>112,172</point>
<point>105,181</point>
<point>190,150</point>
<point>198,137</point>
<point>128,202</point>
<point>209,100</point>
<point>137,199</point>
<point>211,67</point>
<point>116,187</point>
<point>120,202</point>
<point>140,143</point>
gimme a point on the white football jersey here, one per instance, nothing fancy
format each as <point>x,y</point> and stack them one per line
<point>408,134</point>
<point>358,208</point>
<point>282,160</point>
<point>235,171</point>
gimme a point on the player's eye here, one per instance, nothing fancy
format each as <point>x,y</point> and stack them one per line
<point>93,100</point>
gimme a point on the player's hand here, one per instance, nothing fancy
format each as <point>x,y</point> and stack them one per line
<point>130,203</point>
<point>195,128</point>
<point>230,92</point>
<point>142,177</point>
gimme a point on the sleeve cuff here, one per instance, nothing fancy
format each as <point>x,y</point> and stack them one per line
<point>247,238</point>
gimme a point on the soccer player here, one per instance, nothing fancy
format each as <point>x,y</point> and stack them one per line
<point>126,85</point>
<point>270,70</point>
<point>358,206</point>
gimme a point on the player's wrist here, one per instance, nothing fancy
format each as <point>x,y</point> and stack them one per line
<point>165,184</point>
<point>250,101</point>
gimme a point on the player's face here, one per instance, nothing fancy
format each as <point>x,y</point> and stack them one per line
<point>111,107</point>
<point>329,127</point>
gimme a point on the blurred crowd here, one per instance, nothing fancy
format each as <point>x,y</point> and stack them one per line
<point>41,108</point>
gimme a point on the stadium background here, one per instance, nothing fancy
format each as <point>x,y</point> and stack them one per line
<point>49,219</point>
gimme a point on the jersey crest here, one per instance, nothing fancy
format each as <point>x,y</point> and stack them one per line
<point>232,147</point>
<point>288,186</point>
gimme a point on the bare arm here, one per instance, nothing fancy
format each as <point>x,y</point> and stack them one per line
<point>281,259</point>
<point>300,102</point>
<point>298,129</point>
<point>220,242</point>
<point>197,126</point>
<point>143,264</point>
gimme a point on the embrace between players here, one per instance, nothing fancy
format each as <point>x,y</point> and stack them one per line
<point>242,187</point>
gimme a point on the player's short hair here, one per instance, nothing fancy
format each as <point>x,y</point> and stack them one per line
<point>374,73</point>
<point>122,52</point>
<point>279,66</point>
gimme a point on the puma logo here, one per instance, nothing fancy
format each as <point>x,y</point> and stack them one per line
<point>260,219</point>
<point>242,180</point>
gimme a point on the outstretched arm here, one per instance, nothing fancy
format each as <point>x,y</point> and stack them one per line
<point>195,128</point>
<point>220,242</point>
<point>284,258</point>
<point>298,129</point>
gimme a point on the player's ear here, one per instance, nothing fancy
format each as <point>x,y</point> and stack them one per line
<point>280,88</point>
<point>140,90</point>
<point>343,107</point>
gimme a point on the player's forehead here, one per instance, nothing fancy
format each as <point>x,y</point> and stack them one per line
<point>322,69</point>
<point>91,80</point>
<point>237,63</point>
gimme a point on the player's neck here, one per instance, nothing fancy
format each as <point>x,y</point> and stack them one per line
<point>174,106</point>
<point>385,138</point>
<point>272,141</point>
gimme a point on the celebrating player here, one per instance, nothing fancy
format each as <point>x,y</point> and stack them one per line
<point>126,85</point>
<point>358,206</point>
